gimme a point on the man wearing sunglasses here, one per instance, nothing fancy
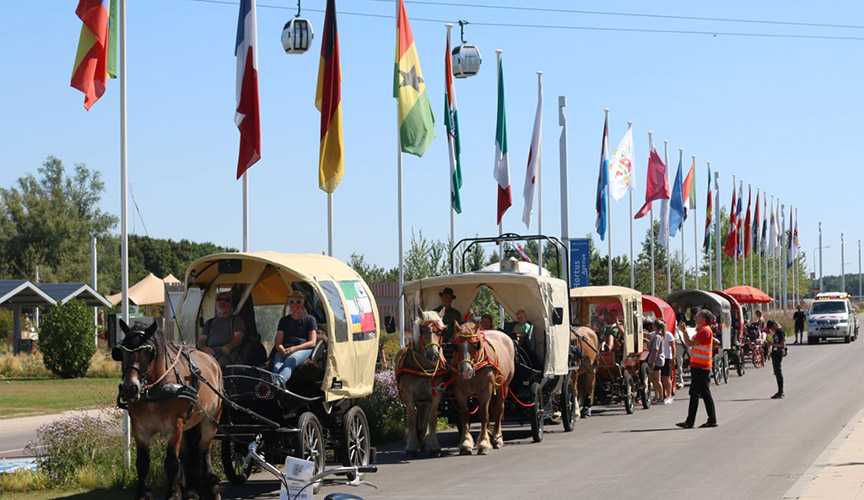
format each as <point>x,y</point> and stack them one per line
<point>222,333</point>
<point>296,336</point>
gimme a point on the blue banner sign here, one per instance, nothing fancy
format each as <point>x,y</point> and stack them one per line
<point>580,257</point>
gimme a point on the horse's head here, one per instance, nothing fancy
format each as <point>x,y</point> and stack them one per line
<point>136,353</point>
<point>428,337</point>
<point>467,341</point>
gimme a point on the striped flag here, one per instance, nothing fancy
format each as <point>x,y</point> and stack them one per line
<point>534,159</point>
<point>502,158</point>
<point>709,207</point>
<point>689,190</point>
<point>772,232</point>
<point>247,117</point>
<point>731,247</point>
<point>748,230</point>
<point>603,183</point>
<point>756,221</point>
<point>451,123</point>
<point>677,211</point>
<point>739,239</point>
<point>416,120</point>
<point>328,100</point>
<point>763,248</point>
<point>96,58</point>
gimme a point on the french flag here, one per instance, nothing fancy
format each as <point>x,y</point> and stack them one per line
<point>247,116</point>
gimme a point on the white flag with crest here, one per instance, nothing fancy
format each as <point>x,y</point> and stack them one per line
<point>621,176</point>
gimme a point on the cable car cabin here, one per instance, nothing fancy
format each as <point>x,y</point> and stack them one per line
<point>466,61</point>
<point>297,36</point>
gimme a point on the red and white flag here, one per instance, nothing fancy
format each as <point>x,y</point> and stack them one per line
<point>247,116</point>
<point>534,154</point>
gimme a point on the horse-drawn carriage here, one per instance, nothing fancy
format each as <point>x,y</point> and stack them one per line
<point>622,373</point>
<point>317,408</point>
<point>728,351</point>
<point>540,386</point>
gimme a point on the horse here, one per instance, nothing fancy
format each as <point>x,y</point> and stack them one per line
<point>485,362</point>
<point>161,388</point>
<point>584,346</point>
<point>420,368</point>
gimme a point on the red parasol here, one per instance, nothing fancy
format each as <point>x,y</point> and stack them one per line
<point>748,295</point>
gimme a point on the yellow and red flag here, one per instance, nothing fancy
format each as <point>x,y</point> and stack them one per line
<point>96,59</point>
<point>416,121</point>
<point>328,100</point>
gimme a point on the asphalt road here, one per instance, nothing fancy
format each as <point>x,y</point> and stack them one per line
<point>760,449</point>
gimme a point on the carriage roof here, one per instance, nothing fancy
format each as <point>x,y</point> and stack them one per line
<point>537,295</point>
<point>711,301</point>
<point>631,307</point>
<point>345,298</point>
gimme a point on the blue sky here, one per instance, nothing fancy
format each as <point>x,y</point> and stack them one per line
<point>781,113</point>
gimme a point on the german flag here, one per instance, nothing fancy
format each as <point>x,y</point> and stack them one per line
<point>328,100</point>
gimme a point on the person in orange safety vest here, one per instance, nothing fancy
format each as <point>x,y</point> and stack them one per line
<point>701,347</point>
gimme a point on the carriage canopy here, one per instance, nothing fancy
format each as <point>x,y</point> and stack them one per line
<point>589,301</point>
<point>537,295</point>
<point>335,294</point>
<point>661,310</point>
<point>687,303</point>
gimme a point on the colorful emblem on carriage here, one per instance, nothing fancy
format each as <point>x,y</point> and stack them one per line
<point>359,305</point>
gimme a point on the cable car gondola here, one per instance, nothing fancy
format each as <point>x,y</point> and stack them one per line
<point>465,59</point>
<point>297,34</point>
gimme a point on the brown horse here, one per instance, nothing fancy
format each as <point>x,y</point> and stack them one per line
<point>583,350</point>
<point>420,369</point>
<point>485,362</point>
<point>165,397</point>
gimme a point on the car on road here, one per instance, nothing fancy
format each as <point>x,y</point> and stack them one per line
<point>831,316</point>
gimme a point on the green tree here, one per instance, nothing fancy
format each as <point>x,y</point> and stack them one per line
<point>48,222</point>
<point>370,272</point>
<point>425,258</point>
<point>66,339</point>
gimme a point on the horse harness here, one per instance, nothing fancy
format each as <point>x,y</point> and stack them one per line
<point>439,370</point>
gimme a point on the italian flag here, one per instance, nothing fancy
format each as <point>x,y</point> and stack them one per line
<point>502,158</point>
<point>416,120</point>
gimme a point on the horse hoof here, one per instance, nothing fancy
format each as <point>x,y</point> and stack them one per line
<point>483,451</point>
<point>464,451</point>
<point>412,453</point>
<point>433,453</point>
<point>497,444</point>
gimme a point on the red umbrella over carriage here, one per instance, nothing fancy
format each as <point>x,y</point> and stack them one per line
<point>748,295</point>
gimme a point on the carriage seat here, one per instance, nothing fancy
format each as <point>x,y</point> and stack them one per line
<point>313,369</point>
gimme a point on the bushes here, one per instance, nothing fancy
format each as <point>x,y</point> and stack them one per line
<point>66,340</point>
<point>384,408</point>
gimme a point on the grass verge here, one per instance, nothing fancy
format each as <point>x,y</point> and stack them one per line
<point>27,397</point>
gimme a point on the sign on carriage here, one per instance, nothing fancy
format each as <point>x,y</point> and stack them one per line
<point>298,473</point>
<point>580,256</point>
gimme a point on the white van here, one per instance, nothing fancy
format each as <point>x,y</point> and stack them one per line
<point>831,316</point>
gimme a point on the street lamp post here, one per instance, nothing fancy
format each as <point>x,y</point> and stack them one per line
<point>820,256</point>
<point>842,265</point>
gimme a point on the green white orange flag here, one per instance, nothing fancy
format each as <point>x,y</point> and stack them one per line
<point>328,100</point>
<point>416,121</point>
<point>451,123</point>
<point>689,190</point>
<point>96,58</point>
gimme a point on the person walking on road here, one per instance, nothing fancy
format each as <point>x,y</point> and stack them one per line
<point>701,346</point>
<point>777,341</point>
<point>800,318</point>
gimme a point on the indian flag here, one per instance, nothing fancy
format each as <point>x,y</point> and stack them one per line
<point>416,120</point>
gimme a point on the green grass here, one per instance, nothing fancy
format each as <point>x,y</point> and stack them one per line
<point>27,397</point>
<point>70,494</point>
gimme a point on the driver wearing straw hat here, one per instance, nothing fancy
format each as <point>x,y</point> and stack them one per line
<point>449,314</point>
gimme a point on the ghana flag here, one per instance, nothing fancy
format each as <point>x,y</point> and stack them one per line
<point>416,120</point>
<point>328,100</point>
<point>96,58</point>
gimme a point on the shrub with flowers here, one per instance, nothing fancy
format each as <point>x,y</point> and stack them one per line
<point>384,408</point>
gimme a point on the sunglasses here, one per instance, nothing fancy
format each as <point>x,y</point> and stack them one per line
<point>223,299</point>
<point>295,301</point>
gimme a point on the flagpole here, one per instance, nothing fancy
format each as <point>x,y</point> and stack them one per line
<point>501,223</point>
<point>608,207</point>
<point>718,276</point>
<point>562,162</point>
<point>758,253</point>
<point>630,217</point>
<point>735,250</point>
<point>708,229</point>
<point>683,260</point>
<point>246,213</point>
<point>651,214</point>
<point>668,246</point>
<point>539,175</point>
<point>695,227</point>
<point>452,166</point>
<point>784,256</point>
<point>401,312</point>
<point>124,218</point>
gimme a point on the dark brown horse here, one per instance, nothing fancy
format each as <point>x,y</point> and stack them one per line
<point>165,397</point>
<point>485,362</point>
<point>583,349</point>
<point>420,369</point>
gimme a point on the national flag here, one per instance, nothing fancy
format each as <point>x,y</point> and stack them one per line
<point>772,232</point>
<point>790,258</point>
<point>795,244</point>
<point>689,190</point>
<point>502,158</point>
<point>621,178</point>
<point>247,117</point>
<point>656,185</point>
<point>738,239</point>
<point>328,100</point>
<point>709,207</point>
<point>731,247</point>
<point>451,123</point>
<point>523,254</point>
<point>603,183</point>
<point>748,230</point>
<point>534,159</point>
<point>764,239</point>
<point>96,57</point>
<point>416,121</point>
<point>663,234</point>
<point>676,203</point>
<point>754,245</point>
